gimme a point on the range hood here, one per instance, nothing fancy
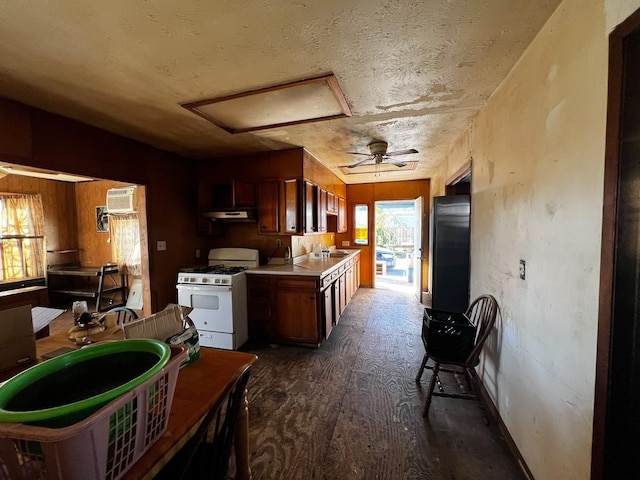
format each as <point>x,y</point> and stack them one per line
<point>231,215</point>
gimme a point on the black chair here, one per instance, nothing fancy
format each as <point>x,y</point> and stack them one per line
<point>206,455</point>
<point>118,315</point>
<point>482,314</point>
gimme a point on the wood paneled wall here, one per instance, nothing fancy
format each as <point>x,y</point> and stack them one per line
<point>94,247</point>
<point>40,139</point>
<point>369,193</point>
<point>58,203</point>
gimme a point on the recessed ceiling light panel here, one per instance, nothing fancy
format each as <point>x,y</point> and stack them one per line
<point>289,104</point>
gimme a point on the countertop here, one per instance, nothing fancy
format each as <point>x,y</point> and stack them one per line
<point>305,266</point>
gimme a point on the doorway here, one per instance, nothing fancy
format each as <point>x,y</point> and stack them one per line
<point>616,421</point>
<point>397,225</point>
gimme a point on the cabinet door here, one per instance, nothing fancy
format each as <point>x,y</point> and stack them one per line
<point>343,292</point>
<point>269,207</point>
<point>332,206</point>
<point>335,286</point>
<point>234,194</point>
<point>291,205</point>
<point>342,215</point>
<point>297,315</point>
<point>328,310</point>
<point>261,312</point>
<point>309,207</point>
<point>321,206</point>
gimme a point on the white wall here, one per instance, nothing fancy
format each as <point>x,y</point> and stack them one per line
<point>538,162</point>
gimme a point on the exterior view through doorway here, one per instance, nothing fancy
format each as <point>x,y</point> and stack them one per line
<point>397,245</point>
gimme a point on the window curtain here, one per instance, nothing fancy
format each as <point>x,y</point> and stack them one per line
<point>22,237</point>
<point>125,242</point>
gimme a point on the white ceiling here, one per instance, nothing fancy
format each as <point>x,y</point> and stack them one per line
<point>414,72</point>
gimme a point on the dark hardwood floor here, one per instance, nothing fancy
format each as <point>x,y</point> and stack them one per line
<point>351,409</point>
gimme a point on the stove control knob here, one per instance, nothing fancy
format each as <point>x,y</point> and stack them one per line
<point>206,280</point>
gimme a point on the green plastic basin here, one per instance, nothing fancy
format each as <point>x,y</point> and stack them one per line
<point>66,389</point>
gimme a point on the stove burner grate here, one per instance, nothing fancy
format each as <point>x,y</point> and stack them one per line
<point>218,269</point>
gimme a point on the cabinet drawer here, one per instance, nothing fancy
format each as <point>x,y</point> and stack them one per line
<point>298,282</point>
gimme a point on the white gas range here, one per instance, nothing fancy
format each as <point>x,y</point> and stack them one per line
<point>217,293</point>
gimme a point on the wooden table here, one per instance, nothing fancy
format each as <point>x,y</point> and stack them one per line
<point>200,388</point>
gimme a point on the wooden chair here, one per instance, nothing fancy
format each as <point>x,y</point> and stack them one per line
<point>206,455</point>
<point>482,313</point>
<point>116,316</point>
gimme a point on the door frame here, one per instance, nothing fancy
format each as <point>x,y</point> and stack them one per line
<point>607,257</point>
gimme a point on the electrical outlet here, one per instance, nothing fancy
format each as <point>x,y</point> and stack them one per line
<point>278,242</point>
<point>162,245</point>
<point>198,253</point>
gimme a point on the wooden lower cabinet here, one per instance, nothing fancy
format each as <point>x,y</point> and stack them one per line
<point>327,310</point>
<point>298,315</point>
<point>285,308</point>
<point>260,307</point>
<point>299,309</point>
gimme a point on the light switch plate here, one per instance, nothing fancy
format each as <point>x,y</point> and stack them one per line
<point>162,245</point>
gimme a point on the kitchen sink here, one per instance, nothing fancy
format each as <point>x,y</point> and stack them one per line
<point>338,254</point>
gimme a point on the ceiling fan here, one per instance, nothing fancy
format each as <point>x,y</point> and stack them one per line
<point>378,154</point>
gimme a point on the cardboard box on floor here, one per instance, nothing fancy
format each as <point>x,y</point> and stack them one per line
<point>17,341</point>
<point>171,325</point>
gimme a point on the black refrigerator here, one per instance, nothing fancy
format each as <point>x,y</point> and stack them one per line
<point>450,221</point>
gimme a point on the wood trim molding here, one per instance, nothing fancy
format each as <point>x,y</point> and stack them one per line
<point>461,173</point>
<point>609,214</point>
<point>504,431</point>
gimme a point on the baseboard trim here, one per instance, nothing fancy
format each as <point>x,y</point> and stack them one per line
<point>495,416</point>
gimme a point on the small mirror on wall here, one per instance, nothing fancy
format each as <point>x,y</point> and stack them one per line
<point>102,219</point>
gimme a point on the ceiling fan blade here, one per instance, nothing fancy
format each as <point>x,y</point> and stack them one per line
<point>361,162</point>
<point>395,162</point>
<point>358,153</point>
<point>402,152</point>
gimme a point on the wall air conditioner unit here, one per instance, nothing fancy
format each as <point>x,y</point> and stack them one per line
<point>121,200</point>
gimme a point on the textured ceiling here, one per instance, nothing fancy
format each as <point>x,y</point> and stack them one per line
<point>414,72</point>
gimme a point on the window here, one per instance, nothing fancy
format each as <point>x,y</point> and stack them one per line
<point>125,241</point>
<point>361,222</point>
<point>21,238</point>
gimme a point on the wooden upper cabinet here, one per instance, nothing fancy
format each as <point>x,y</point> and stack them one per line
<point>309,207</point>
<point>332,204</point>
<point>342,215</point>
<point>244,194</point>
<point>236,194</point>
<point>321,206</point>
<point>269,206</point>
<point>291,202</point>
<point>15,134</point>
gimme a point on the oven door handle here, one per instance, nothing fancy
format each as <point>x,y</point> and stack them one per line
<point>204,288</point>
